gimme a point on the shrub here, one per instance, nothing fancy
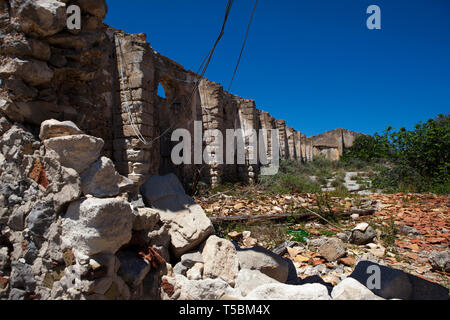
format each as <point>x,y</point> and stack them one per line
<point>417,160</point>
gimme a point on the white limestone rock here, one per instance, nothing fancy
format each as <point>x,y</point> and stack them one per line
<point>220,260</point>
<point>145,219</point>
<point>77,152</point>
<point>265,261</point>
<point>351,289</point>
<point>93,226</point>
<point>279,291</point>
<point>189,225</point>
<point>101,179</point>
<point>248,280</point>
<point>54,128</point>
<point>208,289</point>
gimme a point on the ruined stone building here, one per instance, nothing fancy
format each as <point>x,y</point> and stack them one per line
<point>331,144</point>
<point>98,76</point>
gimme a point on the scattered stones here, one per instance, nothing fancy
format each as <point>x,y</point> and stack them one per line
<point>192,258</point>
<point>275,291</point>
<point>351,289</point>
<point>409,231</point>
<point>347,261</point>
<point>318,242</point>
<point>333,249</point>
<point>362,234</point>
<point>17,294</point>
<point>282,248</point>
<point>265,261</point>
<point>220,259</point>
<point>189,225</point>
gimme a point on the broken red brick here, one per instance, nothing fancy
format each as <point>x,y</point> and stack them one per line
<point>38,173</point>
<point>167,287</point>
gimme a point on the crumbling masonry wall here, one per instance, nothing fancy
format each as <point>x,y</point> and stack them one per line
<point>106,82</point>
<point>331,144</point>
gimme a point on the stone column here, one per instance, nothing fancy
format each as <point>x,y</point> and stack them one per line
<point>281,126</point>
<point>135,63</point>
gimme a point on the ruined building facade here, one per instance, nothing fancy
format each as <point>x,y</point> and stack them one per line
<point>331,144</point>
<point>106,82</point>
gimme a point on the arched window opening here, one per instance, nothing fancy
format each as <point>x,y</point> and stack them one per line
<point>161,91</point>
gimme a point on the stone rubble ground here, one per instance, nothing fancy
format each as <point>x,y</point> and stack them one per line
<point>83,237</point>
<point>421,236</point>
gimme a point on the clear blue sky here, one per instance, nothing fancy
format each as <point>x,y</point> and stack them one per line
<point>313,63</point>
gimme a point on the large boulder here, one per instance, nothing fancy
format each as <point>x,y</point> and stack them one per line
<point>93,226</point>
<point>77,152</point>
<point>54,128</point>
<point>101,179</point>
<point>220,259</point>
<point>279,291</point>
<point>351,289</point>
<point>248,280</point>
<point>265,261</point>
<point>189,225</point>
<point>39,17</point>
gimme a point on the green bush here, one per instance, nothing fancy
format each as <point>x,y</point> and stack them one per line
<point>415,160</point>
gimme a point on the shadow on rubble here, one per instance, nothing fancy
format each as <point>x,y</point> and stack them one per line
<point>393,283</point>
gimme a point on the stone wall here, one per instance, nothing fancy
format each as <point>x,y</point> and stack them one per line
<point>48,71</point>
<point>106,82</point>
<point>332,144</point>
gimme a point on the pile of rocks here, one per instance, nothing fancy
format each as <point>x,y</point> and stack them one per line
<point>68,229</point>
<point>73,228</point>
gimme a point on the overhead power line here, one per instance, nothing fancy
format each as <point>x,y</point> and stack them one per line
<point>243,45</point>
<point>203,67</point>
